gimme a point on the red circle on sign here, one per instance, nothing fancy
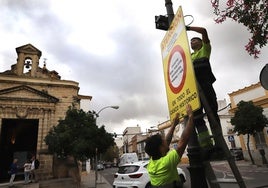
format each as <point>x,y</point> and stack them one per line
<point>176,72</point>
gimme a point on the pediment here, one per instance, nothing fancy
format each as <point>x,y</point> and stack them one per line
<point>26,93</point>
<point>28,49</point>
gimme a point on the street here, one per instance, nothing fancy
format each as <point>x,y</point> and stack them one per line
<point>253,176</point>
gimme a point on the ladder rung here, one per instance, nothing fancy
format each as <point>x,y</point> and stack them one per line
<point>224,180</point>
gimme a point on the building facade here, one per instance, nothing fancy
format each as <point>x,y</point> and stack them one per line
<point>259,96</point>
<point>130,143</point>
<point>258,143</point>
<point>163,128</point>
<point>32,100</point>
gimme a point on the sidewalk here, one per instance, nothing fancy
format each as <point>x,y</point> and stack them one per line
<point>88,181</point>
<point>19,184</point>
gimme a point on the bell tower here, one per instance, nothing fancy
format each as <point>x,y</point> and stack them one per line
<point>28,59</point>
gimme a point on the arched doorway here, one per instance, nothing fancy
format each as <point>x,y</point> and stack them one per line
<point>18,140</point>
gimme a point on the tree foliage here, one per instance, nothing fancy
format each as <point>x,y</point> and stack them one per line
<point>78,136</point>
<point>111,154</point>
<point>253,14</point>
<point>248,118</point>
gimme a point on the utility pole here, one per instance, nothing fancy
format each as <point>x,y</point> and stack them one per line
<point>163,22</point>
<point>170,12</point>
<point>96,157</point>
<point>96,164</point>
<point>200,168</point>
<point>196,168</point>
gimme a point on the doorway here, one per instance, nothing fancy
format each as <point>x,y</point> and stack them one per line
<point>18,140</point>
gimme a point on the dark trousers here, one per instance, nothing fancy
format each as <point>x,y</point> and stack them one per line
<point>210,95</point>
<point>33,175</point>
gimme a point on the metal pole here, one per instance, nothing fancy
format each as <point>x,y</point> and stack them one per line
<point>96,171</point>
<point>196,167</point>
<point>264,160</point>
<point>96,157</point>
<point>169,9</point>
<point>197,172</point>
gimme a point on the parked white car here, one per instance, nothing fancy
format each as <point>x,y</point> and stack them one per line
<point>136,175</point>
<point>100,166</point>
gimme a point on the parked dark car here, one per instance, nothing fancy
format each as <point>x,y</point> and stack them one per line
<point>237,153</point>
<point>107,165</point>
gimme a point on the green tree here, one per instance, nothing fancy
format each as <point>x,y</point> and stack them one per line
<point>253,14</point>
<point>248,120</point>
<point>111,154</point>
<point>78,136</point>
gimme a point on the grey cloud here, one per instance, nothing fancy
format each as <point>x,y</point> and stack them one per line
<point>132,77</point>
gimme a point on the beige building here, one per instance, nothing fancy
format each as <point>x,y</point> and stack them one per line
<point>32,100</point>
<point>259,96</point>
<point>255,93</point>
<point>129,144</point>
<point>232,140</point>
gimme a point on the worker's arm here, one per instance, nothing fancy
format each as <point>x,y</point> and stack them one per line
<point>200,30</point>
<point>175,122</point>
<point>183,141</point>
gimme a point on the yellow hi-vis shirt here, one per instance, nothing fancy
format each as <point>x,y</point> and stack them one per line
<point>202,52</point>
<point>164,170</point>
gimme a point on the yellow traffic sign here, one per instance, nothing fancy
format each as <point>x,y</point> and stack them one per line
<point>178,69</point>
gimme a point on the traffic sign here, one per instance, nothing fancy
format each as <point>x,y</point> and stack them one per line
<point>178,69</point>
<point>231,138</point>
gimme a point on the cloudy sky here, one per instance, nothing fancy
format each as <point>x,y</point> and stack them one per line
<point>111,47</point>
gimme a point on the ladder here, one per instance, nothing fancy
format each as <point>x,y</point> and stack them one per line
<point>200,169</point>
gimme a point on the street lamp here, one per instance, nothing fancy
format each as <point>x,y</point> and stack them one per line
<point>114,107</point>
<point>96,158</point>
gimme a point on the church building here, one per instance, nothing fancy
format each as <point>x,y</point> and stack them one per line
<point>32,100</point>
